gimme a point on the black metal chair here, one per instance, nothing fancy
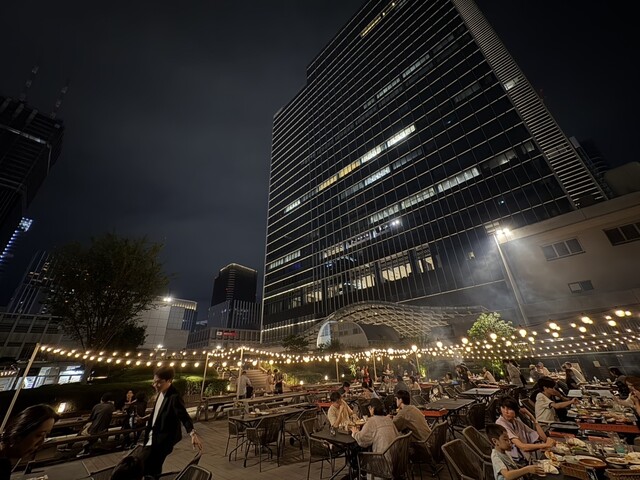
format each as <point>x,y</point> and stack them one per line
<point>450,392</point>
<point>479,442</point>
<point>194,472</point>
<point>319,450</point>
<point>475,417</point>
<point>429,452</point>
<point>391,464</point>
<point>293,428</point>
<point>493,410</point>
<point>464,463</point>
<point>236,430</point>
<point>263,435</point>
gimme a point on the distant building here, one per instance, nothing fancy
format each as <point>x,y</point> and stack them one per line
<point>7,253</point>
<point>415,137</point>
<point>233,302</point>
<point>585,260</point>
<point>20,333</point>
<point>168,323</point>
<point>222,337</point>
<point>35,286</point>
<point>30,144</point>
<point>595,162</point>
<point>624,179</point>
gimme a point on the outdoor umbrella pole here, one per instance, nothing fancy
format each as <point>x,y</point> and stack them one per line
<point>15,395</point>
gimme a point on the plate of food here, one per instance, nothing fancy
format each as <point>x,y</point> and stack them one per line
<point>592,462</point>
<point>576,442</point>
<point>617,461</point>
<point>562,448</point>
<point>553,458</point>
<point>549,467</point>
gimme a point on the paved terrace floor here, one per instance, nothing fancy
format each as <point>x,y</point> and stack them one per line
<point>214,439</point>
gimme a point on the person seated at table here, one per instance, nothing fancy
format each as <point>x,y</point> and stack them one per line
<point>633,400</point>
<point>345,389</point>
<point>100,420</point>
<point>24,435</point>
<point>339,412</point>
<point>369,393</point>
<point>367,381</point>
<point>137,417</point>
<point>408,417</point>
<point>504,467</point>
<point>414,385</point>
<point>542,370</point>
<point>571,378</point>
<point>378,431</point>
<point>620,381</point>
<point>448,378</point>
<point>534,376</point>
<point>546,405</point>
<point>575,372</point>
<point>524,439</point>
<point>488,376</point>
<point>399,385</point>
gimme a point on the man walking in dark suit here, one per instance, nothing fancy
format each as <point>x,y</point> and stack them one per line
<point>163,428</point>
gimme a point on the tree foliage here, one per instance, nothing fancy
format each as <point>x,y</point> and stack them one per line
<point>333,346</point>
<point>295,344</point>
<point>488,323</point>
<point>100,289</point>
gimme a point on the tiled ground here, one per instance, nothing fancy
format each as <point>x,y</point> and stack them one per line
<point>214,437</point>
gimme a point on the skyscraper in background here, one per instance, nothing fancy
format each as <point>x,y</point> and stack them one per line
<point>415,138</point>
<point>30,144</point>
<point>35,286</point>
<point>233,302</point>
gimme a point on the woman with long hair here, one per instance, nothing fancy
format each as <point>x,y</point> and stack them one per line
<point>24,435</point>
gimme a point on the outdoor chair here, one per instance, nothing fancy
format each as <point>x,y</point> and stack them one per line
<point>319,450</point>
<point>103,473</point>
<point>418,401</point>
<point>475,417</point>
<point>266,433</point>
<point>450,392</point>
<point>391,464</point>
<point>464,463</point>
<point>493,411</point>
<point>429,452</point>
<point>194,472</point>
<point>175,475</point>
<point>478,442</point>
<point>236,430</point>
<point>293,428</point>
<point>529,405</point>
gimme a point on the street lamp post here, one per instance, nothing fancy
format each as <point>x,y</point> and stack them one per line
<point>512,283</point>
<point>204,375</point>
<point>337,374</point>
<point>414,349</point>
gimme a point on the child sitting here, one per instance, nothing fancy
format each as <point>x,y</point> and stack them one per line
<point>504,468</point>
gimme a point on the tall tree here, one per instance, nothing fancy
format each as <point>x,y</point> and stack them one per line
<point>100,289</point>
<point>295,344</point>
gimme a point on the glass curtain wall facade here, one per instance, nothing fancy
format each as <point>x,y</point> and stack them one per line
<point>414,139</point>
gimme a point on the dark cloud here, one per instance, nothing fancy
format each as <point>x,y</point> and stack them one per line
<point>169,112</point>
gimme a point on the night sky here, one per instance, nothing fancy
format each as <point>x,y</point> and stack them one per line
<point>168,115</point>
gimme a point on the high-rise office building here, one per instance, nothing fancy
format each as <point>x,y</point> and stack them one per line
<point>415,138</point>
<point>30,144</point>
<point>35,286</point>
<point>235,282</point>
<point>233,302</point>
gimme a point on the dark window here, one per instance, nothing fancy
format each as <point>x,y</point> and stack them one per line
<point>623,234</point>
<point>562,249</point>
<point>582,286</point>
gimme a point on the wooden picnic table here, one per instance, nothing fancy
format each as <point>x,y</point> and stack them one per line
<point>610,427</point>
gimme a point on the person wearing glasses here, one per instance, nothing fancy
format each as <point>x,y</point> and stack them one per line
<point>163,428</point>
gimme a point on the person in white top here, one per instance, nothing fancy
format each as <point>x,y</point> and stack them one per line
<point>243,383</point>
<point>542,370</point>
<point>488,376</point>
<point>545,405</point>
